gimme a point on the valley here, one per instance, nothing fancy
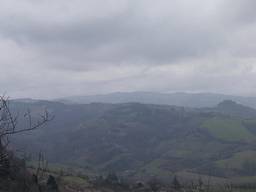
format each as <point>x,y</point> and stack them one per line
<point>145,141</point>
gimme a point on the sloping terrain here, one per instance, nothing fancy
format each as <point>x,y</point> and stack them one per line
<point>139,140</point>
<point>233,109</point>
<point>229,129</point>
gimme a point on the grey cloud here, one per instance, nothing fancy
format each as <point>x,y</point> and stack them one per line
<point>124,36</point>
<point>244,11</point>
<point>141,47</point>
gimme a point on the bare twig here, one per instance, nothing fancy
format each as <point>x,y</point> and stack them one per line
<point>8,123</point>
<point>8,126</point>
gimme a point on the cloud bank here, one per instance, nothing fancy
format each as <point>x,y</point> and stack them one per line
<point>56,48</point>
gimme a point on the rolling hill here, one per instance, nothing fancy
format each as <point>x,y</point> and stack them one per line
<point>138,140</point>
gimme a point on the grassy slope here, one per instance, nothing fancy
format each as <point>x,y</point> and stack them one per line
<point>230,129</point>
<point>237,160</point>
<point>54,167</point>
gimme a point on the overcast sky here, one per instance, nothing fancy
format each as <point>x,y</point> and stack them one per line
<point>52,48</point>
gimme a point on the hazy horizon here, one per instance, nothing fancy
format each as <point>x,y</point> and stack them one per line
<point>88,95</point>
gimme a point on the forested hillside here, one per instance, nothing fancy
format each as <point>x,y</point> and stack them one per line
<point>139,140</point>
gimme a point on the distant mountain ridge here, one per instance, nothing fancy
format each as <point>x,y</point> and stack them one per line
<point>178,99</point>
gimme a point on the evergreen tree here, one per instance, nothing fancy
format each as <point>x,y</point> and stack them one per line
<point>175,183</point>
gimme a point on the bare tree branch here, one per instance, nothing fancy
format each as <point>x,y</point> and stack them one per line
<point>8,123</point>
<point>8,126</point>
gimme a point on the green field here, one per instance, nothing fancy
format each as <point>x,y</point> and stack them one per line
<point>55,168</point>
<point>237,160</point>
<point>177,153</point>
<point>152,167</point>
<point>230,129</point>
